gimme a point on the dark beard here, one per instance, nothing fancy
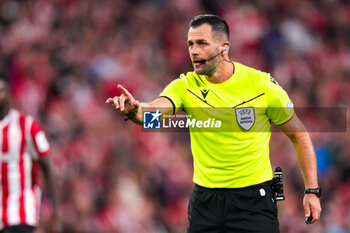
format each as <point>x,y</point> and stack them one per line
<point>209,71</point>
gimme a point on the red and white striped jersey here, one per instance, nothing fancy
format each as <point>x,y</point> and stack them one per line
<point>22,142</point>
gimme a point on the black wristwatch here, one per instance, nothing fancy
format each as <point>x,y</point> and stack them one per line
<point>316,191</point>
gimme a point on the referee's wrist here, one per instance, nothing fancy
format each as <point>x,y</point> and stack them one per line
<point>131,115</point>
<point>314,191</point>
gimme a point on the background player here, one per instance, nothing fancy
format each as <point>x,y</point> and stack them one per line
<point>24,149</point>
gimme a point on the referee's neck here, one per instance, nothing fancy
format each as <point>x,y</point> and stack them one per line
<point>224,72</point>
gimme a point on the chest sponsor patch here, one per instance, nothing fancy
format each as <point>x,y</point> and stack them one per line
<point>245,117</point>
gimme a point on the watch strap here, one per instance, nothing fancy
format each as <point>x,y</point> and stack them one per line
<point>316,191</point>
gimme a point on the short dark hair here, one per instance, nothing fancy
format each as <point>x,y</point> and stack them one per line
<point>218,25</point>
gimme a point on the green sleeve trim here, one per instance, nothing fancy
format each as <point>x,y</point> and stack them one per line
<point>286,120</point>
<point>174,108</point>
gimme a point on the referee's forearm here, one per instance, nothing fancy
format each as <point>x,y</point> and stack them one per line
<point>306,158</point>
<point>163,105</point>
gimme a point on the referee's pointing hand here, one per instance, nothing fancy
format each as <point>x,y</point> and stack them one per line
<point>125,103</point>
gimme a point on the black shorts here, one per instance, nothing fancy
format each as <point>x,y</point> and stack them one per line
<point>241,210</point>
<point>18,229</point>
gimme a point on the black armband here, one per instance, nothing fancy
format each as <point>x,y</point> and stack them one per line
<point>131,115</point>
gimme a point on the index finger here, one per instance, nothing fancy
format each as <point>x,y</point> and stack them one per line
<point>124,91</point>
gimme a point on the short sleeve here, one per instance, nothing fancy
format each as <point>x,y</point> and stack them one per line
<point>279,106</point>
<point>40,142</point>
<point>173,92</point>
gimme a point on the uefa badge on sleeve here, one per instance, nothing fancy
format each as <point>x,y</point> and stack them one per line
<point>151,119</point>
<point>289,105</point>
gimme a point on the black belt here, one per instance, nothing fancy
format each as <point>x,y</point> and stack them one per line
<point>266,184</point>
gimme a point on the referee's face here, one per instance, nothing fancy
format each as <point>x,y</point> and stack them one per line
<point>203,49</point>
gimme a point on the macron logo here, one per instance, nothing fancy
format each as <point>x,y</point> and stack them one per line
<point>205,93</point>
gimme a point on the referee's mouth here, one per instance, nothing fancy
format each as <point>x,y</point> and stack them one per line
<point>198,62</point>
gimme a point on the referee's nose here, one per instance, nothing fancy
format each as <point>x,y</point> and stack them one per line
<point>194,52</point>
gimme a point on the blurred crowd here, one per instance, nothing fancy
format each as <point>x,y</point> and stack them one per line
<point>65,57</point>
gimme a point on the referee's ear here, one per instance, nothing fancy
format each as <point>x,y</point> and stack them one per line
<point>225,46</point>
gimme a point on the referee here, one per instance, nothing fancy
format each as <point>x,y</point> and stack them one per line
<point>232,170</point>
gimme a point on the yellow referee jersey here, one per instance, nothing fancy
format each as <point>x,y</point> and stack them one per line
<point>236,154</point>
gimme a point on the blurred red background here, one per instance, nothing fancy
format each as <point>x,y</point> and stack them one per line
<point>65,57</point>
